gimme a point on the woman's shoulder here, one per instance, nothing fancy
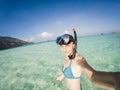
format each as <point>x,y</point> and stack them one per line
<point>80,59</point>
<point>78,56</point>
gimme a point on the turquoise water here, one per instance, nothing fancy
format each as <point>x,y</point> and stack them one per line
<point>35,67</point>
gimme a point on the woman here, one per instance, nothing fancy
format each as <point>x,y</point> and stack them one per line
<point>71,69</point>
<point>75,64</point>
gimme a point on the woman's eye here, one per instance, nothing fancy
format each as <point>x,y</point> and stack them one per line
<point>68,45</point>
<point>61,46</point>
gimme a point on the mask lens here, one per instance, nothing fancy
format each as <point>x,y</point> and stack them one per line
<point>66,39</point>
<point>59,40</point>
<point>63,40</point>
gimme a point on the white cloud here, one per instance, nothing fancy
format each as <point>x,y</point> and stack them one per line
<point>45,35</point>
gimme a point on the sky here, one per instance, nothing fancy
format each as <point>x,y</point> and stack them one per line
<point>41,20</point>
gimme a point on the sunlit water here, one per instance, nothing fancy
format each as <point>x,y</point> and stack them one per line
<point>35,67</point>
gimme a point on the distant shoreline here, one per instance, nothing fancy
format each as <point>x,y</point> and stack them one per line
<point>10,42</point>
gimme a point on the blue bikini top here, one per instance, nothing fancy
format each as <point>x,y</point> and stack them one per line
<point>68,72</point>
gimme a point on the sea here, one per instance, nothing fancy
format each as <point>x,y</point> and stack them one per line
<point>36,66</point>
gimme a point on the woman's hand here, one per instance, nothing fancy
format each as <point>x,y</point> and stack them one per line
<point>58,79</point>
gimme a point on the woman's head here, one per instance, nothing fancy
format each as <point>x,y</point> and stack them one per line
<point>67,44</point>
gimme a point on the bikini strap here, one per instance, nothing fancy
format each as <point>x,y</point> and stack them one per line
<point>70,62</point>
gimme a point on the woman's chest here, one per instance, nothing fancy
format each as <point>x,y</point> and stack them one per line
<point>76,70</point>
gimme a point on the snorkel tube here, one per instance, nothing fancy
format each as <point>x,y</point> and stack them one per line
<point>75,38</point>
<point>74,51</point>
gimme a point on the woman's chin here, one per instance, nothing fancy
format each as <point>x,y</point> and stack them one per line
<point>66,55</point>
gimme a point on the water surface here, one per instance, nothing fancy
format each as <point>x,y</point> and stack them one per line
<point>35,67</point>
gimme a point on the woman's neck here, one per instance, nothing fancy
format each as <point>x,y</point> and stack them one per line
<point>73,54</point>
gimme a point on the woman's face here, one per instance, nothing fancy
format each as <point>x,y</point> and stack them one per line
<point>67,49</point>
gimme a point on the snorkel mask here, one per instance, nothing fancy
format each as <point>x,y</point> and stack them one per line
<point>67,39</point>
<point>64,39</point>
